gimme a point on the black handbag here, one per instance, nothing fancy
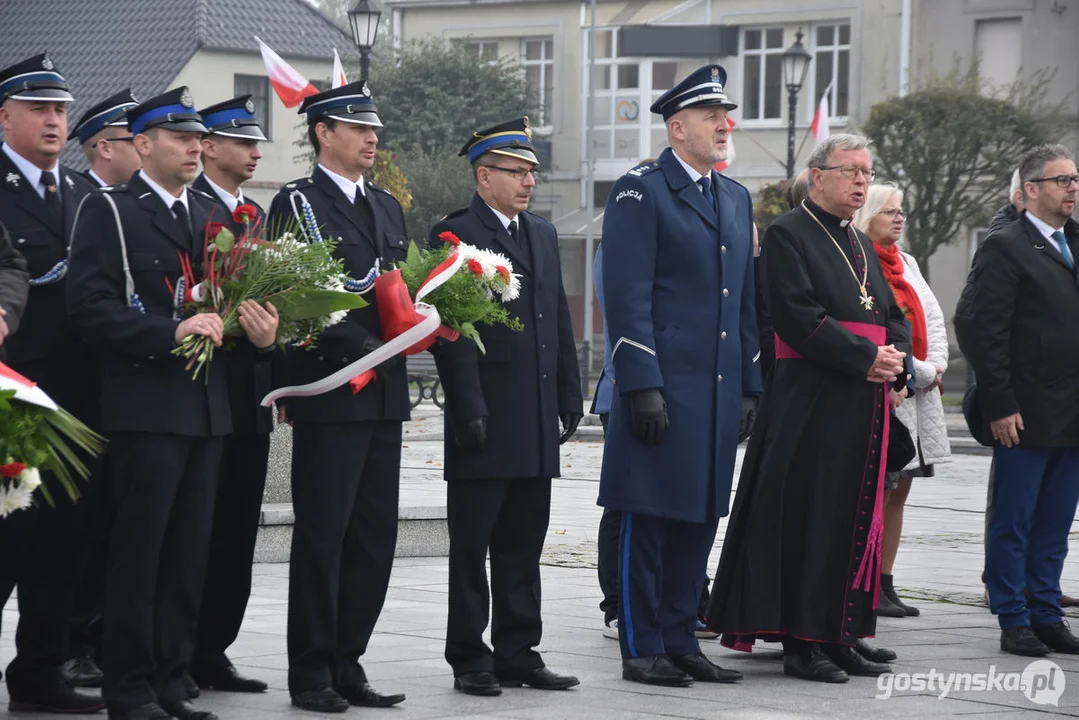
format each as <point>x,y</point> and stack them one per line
<point>972,413</point>
<point>901,448</point>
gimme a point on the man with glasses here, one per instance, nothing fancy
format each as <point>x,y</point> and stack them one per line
<point>106,140</point>
<point>503,410</point>
<point>801,557</point>
<point>1017,322</point>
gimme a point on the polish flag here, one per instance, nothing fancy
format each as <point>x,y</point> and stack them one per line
<point>819,126</point>
<point>339,78</point>
<point>724,164</point>
<point>290,85</point>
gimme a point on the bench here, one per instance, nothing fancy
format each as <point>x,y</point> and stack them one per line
<point>423,373</point>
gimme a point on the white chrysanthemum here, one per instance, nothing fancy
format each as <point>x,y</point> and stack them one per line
<point>334,318</point>
<point>512,290</point>
<point>13,498</point>
<point>30,479</point>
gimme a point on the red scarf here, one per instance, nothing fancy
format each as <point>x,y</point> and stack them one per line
<point>892,263</point>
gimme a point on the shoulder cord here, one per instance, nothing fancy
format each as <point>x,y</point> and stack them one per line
<point>307,221</point>
<point>133,300</point>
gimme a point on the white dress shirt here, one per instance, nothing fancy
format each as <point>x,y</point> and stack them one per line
<point>97,178</point>
<point>1045,229</point>
<point>166,197</point>
<point>231,201</point>
<point>503,219</point>
<point>692,172</point>
<point>348,187</point>
<point>32,172</point>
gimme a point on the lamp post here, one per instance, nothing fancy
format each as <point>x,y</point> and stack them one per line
<point>795,68</point>
<point>363,18</point>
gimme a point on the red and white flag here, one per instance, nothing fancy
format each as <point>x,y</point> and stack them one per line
<point>724,164</point>
<point>339,78</point>
<point>288,83</point>
<point>819,126</point>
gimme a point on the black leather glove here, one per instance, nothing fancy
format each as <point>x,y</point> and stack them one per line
<point>383,369</point>
<point>570,421</point>
<point>749,416</point>
<point>648,415</point>
<point>471,435</point>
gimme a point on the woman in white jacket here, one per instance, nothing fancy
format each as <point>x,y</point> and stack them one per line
<point>881,218</point>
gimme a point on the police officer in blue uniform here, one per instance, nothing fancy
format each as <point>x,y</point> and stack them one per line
<point>346,447</point>
<point>230,155</point>
<point>678,256</point>
<point>164,428</point>
<point>503,410</point>
<point>106,141</point>
<point>38,202</point>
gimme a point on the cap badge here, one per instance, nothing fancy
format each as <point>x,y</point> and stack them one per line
<point>715,74</point>
<point>366,90</point>
<point>528,128</point>
<point>47,63</point>
<point>249,106</point>
<point>70,182</point>
<point>186,100</point>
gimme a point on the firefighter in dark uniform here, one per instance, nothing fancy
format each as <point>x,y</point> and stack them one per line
<point>164,428</point>
<point>346,448</point>
<point>230,154</point>
<point>106,141</point>
<point>502,426</point>
<point>38,202</point>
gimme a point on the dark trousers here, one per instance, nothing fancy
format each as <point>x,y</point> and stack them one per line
<point>988,515</point>
<point>509,518</point>
<point>660,570</point>
<point>1035,492</point>
<point>610,529</point>
<point>40,552</point>
<point>165,487</point>
<point>345,480</point>
<point>86,615</point>
<point>237,510</point>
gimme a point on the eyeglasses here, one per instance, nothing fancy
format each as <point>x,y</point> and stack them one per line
<point>119,139</point>
<point>893,213</point>
<point>851,171</point>
<point>1062,181</point>
<point>519,174</point>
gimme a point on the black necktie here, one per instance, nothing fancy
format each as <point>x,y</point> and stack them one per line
<point>52,193</point>
<point>513,232</point>
<point>180,211</point>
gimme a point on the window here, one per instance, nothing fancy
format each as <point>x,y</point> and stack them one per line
<point>484,50</point>
<point>831,60</point>
<point>762,73</point>
<point>537,59</point>
<point>999,44</point>
<point>258,87</point>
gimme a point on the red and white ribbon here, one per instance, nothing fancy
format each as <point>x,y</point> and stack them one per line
<point>424,329</point>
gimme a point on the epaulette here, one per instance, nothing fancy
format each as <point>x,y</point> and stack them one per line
<point>379,188</point>
<point>301,183</point>
<point>732,180</point>
<point>455,213</point>
<point>122,187</point>
<point>202,194</point>
<point>643,169</point>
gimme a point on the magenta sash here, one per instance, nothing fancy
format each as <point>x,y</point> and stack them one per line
<point>868,574</point>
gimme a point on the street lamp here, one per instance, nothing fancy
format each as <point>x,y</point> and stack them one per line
<point>363,17</point>
<point>795,68</point>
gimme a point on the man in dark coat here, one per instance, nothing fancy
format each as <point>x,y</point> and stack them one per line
<point>106,141</point>
<point>801,554</point>
<point>230,155</point>
<point>39,199</point>
<point>346,447</point>
<point>164,428</point>
<point>1017,323</point>
<point>503,409</point>
<point>674,231</point>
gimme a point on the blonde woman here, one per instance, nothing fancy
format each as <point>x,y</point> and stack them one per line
<point>881,218</point>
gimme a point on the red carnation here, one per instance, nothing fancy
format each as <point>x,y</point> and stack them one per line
<point>504,273</point>
<point>213,228</point>
<point>475,267</point>
<point>12,469</point>
<point>449,237</point>
<point>244,213</point>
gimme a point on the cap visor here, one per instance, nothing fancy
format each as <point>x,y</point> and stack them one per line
<point>244,132</point>
<point>519,153</point>
<point>181,126</point>
<point>365,118</point>
<point>43,95</point>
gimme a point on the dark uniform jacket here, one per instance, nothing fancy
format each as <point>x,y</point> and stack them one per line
<point>46,349</point>
<point>248,371</point>
<point>1017,322</point>
<point>144,388</point>
<point>526,380</point>
<point>369,232</point>
<point>14,285</point>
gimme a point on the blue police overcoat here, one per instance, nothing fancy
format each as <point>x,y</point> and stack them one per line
<point>678,281</point>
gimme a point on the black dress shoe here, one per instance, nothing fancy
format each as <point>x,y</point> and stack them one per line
<point>366,696</point>
<point>813,664</point>
<point>851,662</point>
<point>1022,641</point>
<point>184,710</point>
<point>58,697</point>
<point>191,687</point>
<point>895,600</point>
<point>876,654</point>
<point>654,670</point>
<point>324,699</point>
<point>484,684</point>
<point>701,668</point>
<point>149,711</point>
<point>541,678</point>
<point>1058,638</point>
<point>228,679</point>
<point>83,672</point>
<point>888,608</point>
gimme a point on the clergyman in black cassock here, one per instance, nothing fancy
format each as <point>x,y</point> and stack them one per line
<point>800,558</point>
<point>346,447</point>
<point>502,427</point>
